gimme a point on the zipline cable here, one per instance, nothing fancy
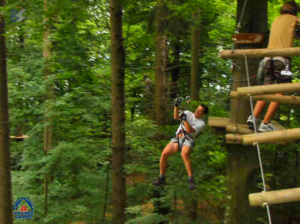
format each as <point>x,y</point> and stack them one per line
<point>242,15</point>
<point>256,143</point>
<point>238,26</point>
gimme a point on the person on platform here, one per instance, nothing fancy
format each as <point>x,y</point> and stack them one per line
<point>277,70</point>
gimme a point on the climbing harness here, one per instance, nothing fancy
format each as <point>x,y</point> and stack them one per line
<point>256,143</point>
<point>261,66</point>
<point>182,130</point>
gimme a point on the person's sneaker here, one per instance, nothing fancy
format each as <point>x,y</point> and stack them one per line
<point>250,122</point>
<point>266,127</point>
<point>192,183</point>
<point>160,181</point>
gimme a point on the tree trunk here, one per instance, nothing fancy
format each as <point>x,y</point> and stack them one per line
<point>296,167</point>
<point>242,160</point>
<point>161,54</point>
<point>118,113</point>
<point>48,133</point>
<point>241,175</point>
<point>193,210</point>
<point>20,127</point>
<point>195,58</point>
<point>161,86</point>
<point>6,207</point>
<point>159,206</point>
<point>175,208</point>
<point>275,168</point>
<point>48,130</point>
<point>175,69</point>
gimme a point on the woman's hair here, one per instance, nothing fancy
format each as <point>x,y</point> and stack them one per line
<point>289,7</point>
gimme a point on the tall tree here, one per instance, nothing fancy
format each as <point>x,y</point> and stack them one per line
<point>19,129</point>
<point>195,57</point>
<point>48,129</point>
<point>6,211</point>
<point>175,69</point>
<point>243,161</point>
<point>118,112</point>
<point>161,55</point>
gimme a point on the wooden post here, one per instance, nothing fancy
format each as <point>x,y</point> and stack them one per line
<point>272,137</point>
<point>239,129</point>
<point>260,53</point>
<point>268,98</point>
<point>275,197</point>
<point>234,138</point>
<point>218,122</point>
<point>242,161</point>
<point>269,89</point>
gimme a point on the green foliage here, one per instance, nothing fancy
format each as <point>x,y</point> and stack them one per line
<point>81,110</point>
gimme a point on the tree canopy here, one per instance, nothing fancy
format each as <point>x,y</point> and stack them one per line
<point>79,164</point>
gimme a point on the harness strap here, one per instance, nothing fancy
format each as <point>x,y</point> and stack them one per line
<point>282,59</point>
<point>178,139</point>
<point>186,136</point>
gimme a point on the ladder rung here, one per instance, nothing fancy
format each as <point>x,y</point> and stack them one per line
<point>269,89</point>
<point>275,197</point>
<point>262,52</point>
<point>272,137</point>
<point>268,98</point>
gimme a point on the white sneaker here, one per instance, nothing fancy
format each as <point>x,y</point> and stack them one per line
<point>250,122</point>
<point>266,127</point>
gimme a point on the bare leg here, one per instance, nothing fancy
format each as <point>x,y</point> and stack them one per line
<point>168,151</point>
<point>271,110</point>
<point>259,106</point>
<point>185,154</point>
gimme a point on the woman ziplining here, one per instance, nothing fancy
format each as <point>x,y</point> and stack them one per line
<point>191,125</point>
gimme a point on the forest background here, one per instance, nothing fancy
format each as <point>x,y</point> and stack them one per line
<point>74,172</point>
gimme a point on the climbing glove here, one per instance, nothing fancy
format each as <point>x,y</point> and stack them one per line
<point>178,101</point>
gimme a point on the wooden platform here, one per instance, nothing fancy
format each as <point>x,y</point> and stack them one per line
<point>268,98</point>
<point>269,89</point>
<point>222,122</point>
<point>218,122</point>
<point>234,132</point>
<point>18,138</point>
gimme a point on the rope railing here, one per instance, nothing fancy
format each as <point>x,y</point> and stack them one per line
<point>256,143</point>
